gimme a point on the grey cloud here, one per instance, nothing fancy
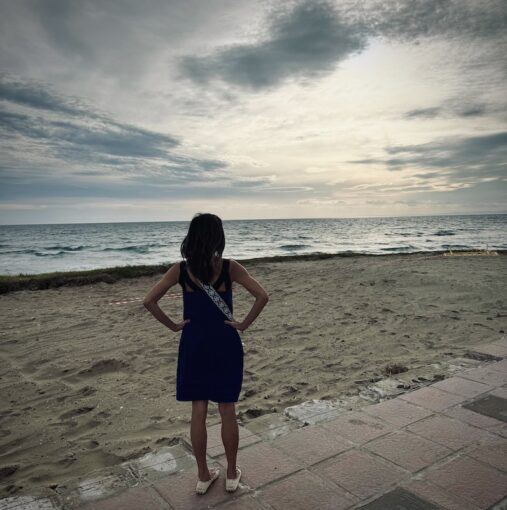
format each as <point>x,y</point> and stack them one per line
<point>82,142</point>
<point>410,19</point>
<point>34,95</point>
<point>313,37</point>
<point>305,42</point>
<point>463,110</point>
<point>425,113</point>
<point>84,136</point>
<point>465,157</point>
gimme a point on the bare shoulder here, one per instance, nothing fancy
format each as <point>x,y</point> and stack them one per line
<point>238,273</point>
<point>173,273</point>
<point>236,270</point>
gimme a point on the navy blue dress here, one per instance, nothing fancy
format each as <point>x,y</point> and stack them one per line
<point>210,353</point>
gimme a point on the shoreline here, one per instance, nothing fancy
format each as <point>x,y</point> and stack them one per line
<point>43,281</point>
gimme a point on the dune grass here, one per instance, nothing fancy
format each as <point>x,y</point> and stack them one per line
<point>41,281</point>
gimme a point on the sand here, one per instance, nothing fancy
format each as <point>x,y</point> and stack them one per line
<point>87,384</point>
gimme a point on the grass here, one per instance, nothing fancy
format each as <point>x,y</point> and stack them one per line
<point>12,283</point>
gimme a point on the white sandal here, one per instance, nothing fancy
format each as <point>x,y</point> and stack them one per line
<point>202,487</point>
<point>231,484</point>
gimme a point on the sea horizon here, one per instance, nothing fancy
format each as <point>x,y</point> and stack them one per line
<point>63,247</point>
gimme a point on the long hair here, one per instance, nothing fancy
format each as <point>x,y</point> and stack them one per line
<point>204,239</point>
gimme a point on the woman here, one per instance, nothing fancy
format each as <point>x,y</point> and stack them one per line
<point>210,355</point>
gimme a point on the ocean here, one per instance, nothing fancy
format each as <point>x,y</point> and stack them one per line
<point>35,249</point>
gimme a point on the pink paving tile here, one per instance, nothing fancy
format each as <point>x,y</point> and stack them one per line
<point>131,499</point>
<point>499,365</point>
<point>179,491</point>
<point>500,392</point>
<point>432,398</point>
<point>463,387</point>
<point>486,375</point>
<point>447,431</point>
<point>311,444</point>
<point>397,411</point>
<point>262,463</point>
<point>435,494</point>
<point>492,451</point>
<point>408,450</point>
<point>473,418</point>
<point>361,473</point>
<point>492,348</point>
<point>303,491</point>
<point>473,481</point>
<point>358,426</point>
<point>244,503</point>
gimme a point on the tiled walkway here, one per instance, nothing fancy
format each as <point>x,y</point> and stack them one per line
<point>443,446</point>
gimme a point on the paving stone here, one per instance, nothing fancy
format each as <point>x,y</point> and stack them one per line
<point>312,444</point>
<point>179,491</point>
<point>246,502</point>
<point>490,405</point>
<point>358,426</point>
<point>499,365</point>
<point>158,464</point>
<point>397,411</point>
<point>435,494</point>
<point>486,375</point>
<point>467,478</point>
<point>499,392</point>
<point>304,491</point>
<point>461,386</point>
<point>501,505</point>
<point>131,499</point>
<point>99,485</point>
<point>492,451</point>
<point>447,431</point>
<point>400,499</point>
<point>494,349</point>
<point>471,417</point>
<point>261,463</point>
<point>408,450</point>
<point>432,398</point>
<point>272,425</point>
<point>313,411</point>
<point>361,473</point>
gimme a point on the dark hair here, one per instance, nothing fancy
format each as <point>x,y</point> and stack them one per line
<point>204,239</point>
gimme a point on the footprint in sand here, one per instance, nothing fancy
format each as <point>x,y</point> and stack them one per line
<point>76,412</point>
<point>105,365</point>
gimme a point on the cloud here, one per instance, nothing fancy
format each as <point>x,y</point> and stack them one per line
<point>448,111</point>
<point>34,95</point>
<point>460,157</point>
<point>407,20</point>
<point>314,36</point>
<point>70,131</point>
<point>307,41</point>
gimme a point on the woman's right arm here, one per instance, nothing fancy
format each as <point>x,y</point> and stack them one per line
<point>239,274</point>
<point>151,299</point>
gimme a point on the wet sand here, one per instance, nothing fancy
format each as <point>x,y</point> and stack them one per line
<point>87,378</point>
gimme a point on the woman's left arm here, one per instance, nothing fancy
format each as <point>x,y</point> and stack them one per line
<point>150,302</point>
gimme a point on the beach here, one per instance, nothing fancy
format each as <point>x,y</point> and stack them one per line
<point>88,375</point>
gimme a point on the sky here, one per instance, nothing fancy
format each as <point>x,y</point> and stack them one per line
<point>156,110</point>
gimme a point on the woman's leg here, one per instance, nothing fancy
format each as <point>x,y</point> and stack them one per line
<point>199,437</point>
<point>230,435</point>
